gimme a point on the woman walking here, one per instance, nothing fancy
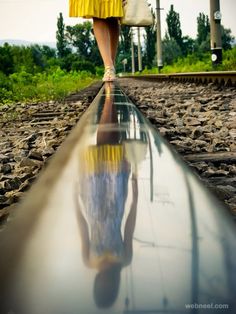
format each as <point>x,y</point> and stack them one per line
<point>105,15</point>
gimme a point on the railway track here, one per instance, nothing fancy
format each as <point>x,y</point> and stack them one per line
<point>30,134</point>
<point>226,78</point>
<point>169,244</point>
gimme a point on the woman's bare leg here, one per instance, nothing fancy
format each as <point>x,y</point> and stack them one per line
<point>102,35</point>
<point>114,31</point>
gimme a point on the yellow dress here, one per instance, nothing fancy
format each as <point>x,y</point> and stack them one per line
<point>95,8</point>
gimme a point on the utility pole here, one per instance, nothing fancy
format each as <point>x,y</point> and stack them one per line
<point>216,42</point>
<point>159,45</point>
<point>132,51</point>
<point>139,52</point>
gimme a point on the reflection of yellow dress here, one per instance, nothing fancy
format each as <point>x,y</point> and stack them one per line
<point>95,8</point>
<point>103,188</point>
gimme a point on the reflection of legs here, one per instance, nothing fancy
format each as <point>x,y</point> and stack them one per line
<point>109,115</point>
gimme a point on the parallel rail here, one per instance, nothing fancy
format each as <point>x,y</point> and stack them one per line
<point>117,223</point>
<point>217,77</point>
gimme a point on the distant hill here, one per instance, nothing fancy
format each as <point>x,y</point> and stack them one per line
<point>19,42</point>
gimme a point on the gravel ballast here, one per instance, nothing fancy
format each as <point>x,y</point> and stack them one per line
<point>29,135</point>
<point>200,122</point>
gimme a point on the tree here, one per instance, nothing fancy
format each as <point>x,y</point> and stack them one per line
<point>84,66</point>
<point>174,26</point>
<point>80,36</point>
<point>62,45</point>
<point>37,56</point>
<point>48,52</point>
<point>203,34</point>
<point>203,28</point>
<point>23,59</point>
<point>124,49</point>
<point>150,44</point>
<point>31,59</point>
<point>171,50</point>
<point>6,59</point>
<point>227,38</point>
<point>188,45</point>
<point>125,39</point>
<point>205,45</point>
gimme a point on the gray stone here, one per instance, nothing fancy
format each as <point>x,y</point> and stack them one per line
<point>4,159</point>
<point>3,199</point>
<point>27,162</point>
<point>192,121</point>
<point>2,190</point>
<point>6,168</point>
<point>179,122</point>
<point>204,101</point>
<point>35,155</point>
<point>233,147</point>
<point>200,143</point>
<point>218,123</point>
<point>232,133</point>
<point>163,131</point>
<point>12,184</point>
<point>223,132</point>
<point>48,152</point>
<point>196,132</point>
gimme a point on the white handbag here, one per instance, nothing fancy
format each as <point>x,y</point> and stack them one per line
<point>137,13</point>
<point>135,153</point>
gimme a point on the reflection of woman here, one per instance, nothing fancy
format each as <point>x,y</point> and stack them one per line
<point>102,197</point>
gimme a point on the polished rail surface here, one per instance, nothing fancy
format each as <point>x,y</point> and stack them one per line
<point>117,223</point>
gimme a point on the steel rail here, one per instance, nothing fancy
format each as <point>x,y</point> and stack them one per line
<point>117,223</point>
<point>217,77</point>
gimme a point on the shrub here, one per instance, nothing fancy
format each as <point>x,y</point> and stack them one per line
<point>198,62</point>
<point>42,86</point>
<point>229,60</point>
<point>83,66</point>
<point>21,77</point>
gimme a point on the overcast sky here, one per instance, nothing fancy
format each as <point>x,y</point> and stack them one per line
<point>35,20</point>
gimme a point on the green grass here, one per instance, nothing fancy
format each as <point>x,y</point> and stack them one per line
<point>198,63</point>
<point>53,85</point>
<point>183,66</point>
